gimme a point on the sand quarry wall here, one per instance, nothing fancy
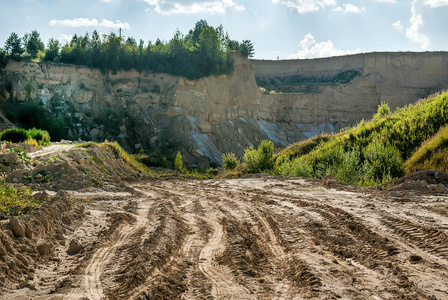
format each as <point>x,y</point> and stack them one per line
<point>206,117</point>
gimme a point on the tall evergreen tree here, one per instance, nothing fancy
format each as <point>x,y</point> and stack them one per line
<point>13,46</point>
<point>33,43</point>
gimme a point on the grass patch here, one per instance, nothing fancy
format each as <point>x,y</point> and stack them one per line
<point>17,201</point>
<point>432,154</point>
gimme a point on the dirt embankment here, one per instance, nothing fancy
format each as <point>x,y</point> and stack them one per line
<point>250,238</point>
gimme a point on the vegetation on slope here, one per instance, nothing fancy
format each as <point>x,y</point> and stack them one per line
<point>432,154</point>
<point>373,152</point>
<point>204,51</point>
<point>368,154</point>
<point>16,201</point>
<point>35,137</point>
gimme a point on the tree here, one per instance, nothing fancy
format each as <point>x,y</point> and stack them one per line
<point>33,43</point>
<point>247,48</point>
<point>52,51</point>
<point>178,164</point>
<point>13,46</point>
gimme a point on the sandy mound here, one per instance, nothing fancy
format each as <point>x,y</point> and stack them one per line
<point>29,240</point>
<point>422,181</point>
<point>75,169</point>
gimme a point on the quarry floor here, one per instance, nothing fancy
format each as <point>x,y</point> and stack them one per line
<point>250,238</point>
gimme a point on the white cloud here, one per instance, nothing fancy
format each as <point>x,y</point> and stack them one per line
<point>172,7</point>
<point>413,32</point>
<point>312,49</point>
<point>65,38</point>
<point>387,1</point>
<point>83,22</point>
<point>306,6</point>
<point>436,3</point>
<point>398,26</point>
<point>349,8</point>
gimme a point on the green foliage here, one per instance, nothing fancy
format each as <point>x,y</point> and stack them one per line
<point>373,152</point>
<point>52,51</point>
<point>33,43</point>
<point>204,51</point>
<point>34,114</point>
<point>13,46</point>
<point>20,135</point>
<point>298,168</point>
<point>247,48</point>
<point>383,110</point>
<point>229,161</point>
<point>17,201</point>
<point>261,159</point>
<point>382,160</point>
<point>178,163</point>
<point>432,154</point>
<point>14,135</point>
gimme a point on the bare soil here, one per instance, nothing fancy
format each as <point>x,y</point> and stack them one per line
<point>251,238</point>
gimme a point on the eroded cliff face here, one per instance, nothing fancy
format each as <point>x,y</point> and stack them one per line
<point>206,117</point>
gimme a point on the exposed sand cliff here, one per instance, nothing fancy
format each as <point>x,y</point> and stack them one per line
<point>207,117</point>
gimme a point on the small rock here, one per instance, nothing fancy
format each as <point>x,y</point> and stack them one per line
<point>395,194</point>
<point>44,249</point>
<point>2,250</point>
<point>74,247</point>
<point>59,237</point>
<point>438,188</point>
<point>17,227</point>
<point>22,259</point>
<point>15,180</point>
<point>329,179</point>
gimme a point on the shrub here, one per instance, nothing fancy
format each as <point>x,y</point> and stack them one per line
<point>230,161</point>
<point>382,160</point>
<point>178,164</point>
<point>383,110</point>
<point>261,159</point>
<point>251,160</point>
<point>299,168</point>
<point>349,168</point>
<point>265,155</point>
<point>14,135</point>
<point>20,135</point>
<point>41,136</point>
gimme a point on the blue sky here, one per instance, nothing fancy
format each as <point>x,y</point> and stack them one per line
<point>277,28</point>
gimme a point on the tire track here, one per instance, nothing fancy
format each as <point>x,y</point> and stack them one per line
<point>427,238</point>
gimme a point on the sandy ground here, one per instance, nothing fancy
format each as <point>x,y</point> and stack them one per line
<point>250,238</point>
<point>54,148</point>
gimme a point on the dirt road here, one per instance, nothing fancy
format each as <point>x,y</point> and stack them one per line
<point>252,238</point>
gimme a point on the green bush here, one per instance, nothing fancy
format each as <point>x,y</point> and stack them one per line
<point>20,135</point>
<point>230,161</point>
<point>383,110</point>
<point>382,161</point>
<point>259,160</point>
<point>349,168</point>
<point>14,135</point>
<point>178,163</point>
<point>298,168</point>
<point>250,159</point>
<point>41,136</point>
